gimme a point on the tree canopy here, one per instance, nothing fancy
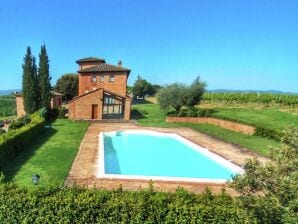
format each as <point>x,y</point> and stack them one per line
<point>36,86</point>
<point>44,78</point>
<point>29,83</point>
<point>178,95</point>
<point>142,88</point>
<point>67,84</point>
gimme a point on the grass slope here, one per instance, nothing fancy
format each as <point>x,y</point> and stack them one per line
<point>266,117</point>
<point>151,115</point>
<point>50,156</point>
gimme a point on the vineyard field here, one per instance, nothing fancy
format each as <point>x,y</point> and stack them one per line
<point>267,99</point>
<point>7,106</point>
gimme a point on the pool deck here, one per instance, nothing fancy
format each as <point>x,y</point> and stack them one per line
<point>84,167</point>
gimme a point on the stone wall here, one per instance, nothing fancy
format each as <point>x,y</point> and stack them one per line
<point>230,125</point>
<point>20,106</point>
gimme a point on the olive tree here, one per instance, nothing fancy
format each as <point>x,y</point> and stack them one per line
<point>178,95</point>
<point>174,95</point>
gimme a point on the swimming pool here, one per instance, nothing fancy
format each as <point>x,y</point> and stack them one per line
<point>144,154</point>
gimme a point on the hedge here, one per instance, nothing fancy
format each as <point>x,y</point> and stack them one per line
<point>15,141</point>
<point>73,205</point>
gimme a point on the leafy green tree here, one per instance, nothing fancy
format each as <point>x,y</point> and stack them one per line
<point>269,190</point>
<point>178,95</point>
<point>44,78</point>
<point>195,92</point>
<point>68,86</point>
<point>37,86</point>
<point>142,88</point>
<point>174,95</point>
<point>29,83</point>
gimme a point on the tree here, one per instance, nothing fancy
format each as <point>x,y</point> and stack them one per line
<point>178,95</point>
<point>269,190</point>
<point>44,78</point>
<point>37,86</point>
<point>142,88</point>
<point>29,83</point>
<point>174,95</point>
<point>68,86</point>
<point>195,92</point>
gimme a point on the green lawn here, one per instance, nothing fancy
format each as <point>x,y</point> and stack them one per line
<point>151,115</point>
<point>271,118</point>
<point>50,155</point>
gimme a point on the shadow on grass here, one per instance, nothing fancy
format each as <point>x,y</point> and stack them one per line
<point>11,168</point>
<point>137,114</point>
<point>137,102</point>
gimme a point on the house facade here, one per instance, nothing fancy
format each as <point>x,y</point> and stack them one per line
<point>102,91</point>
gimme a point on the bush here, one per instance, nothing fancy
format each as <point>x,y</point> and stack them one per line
<point>73,205</point>
<point>192,112</point>
<point>16,140</point>
<point>52,114</point>
<point>269,133</point>
<point>205,112</point>
<point>2,131</point>
<point>20,122</point>
<point>62,112</point>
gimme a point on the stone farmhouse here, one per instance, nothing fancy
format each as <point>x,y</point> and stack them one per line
<point>102,91</point>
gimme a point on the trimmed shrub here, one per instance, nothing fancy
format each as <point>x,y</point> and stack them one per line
<point>16,140</point>
<point>73,205</point>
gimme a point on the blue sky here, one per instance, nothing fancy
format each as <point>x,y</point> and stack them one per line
<point>231,44</point>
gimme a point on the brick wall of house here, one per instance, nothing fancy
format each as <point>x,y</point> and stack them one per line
<point>118,86</point>
<point>20,106</point>
<point>127,109</point>
<point>81,108</point>
<point>71,109</point>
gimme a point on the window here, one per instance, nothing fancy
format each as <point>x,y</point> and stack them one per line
<point>112,78</point>
<point>101,78</point>
<point>93,78</point>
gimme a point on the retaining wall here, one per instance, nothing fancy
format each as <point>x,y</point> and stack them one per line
<point>230,125</point>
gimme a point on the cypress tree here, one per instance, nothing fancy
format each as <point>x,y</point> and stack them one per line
<point>37,85</point>
<point>29,83</point>
<point>44,78</point>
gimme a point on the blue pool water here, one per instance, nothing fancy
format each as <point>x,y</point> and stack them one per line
<point>145,154</point>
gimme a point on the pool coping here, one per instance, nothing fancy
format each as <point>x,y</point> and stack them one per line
<point>100,172</point>
<point>84,167</point>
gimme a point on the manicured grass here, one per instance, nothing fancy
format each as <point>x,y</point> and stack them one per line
<point>271,118</point>
<point>151,115</point>
<point>49,156</point>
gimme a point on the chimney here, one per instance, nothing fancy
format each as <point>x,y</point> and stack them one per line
<point>119,63</point>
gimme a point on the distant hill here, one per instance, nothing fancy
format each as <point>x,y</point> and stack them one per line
<point>8,91</point>
<point>248,91</point>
